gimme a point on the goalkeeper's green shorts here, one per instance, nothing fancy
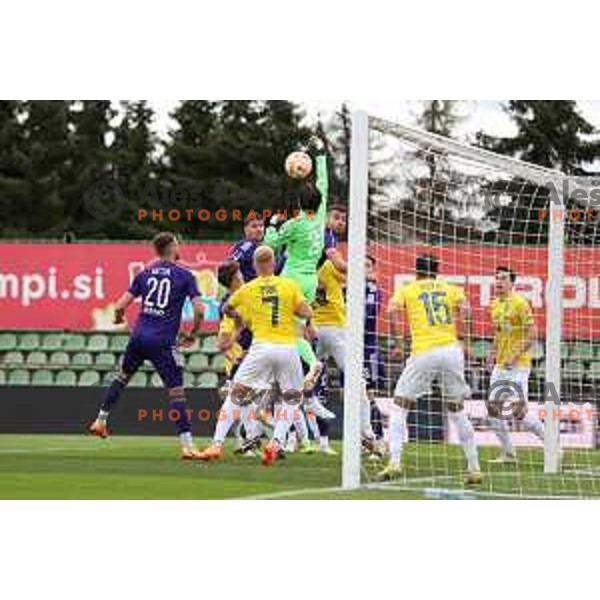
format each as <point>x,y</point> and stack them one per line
<point>308,283</point>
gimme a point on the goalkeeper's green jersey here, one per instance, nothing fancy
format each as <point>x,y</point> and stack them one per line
<point>303,237</point>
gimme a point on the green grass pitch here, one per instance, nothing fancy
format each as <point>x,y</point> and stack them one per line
<point>81,467</point>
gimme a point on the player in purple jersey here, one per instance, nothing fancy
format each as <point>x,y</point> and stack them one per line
<point>243,251</point>
<point>336,226</point>
<point>373,361</point>
<point>163,287</point>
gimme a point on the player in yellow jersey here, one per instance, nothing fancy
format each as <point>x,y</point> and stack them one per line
<point>432,307</point>
<point>329,315</point>
<point>269,306</point>
<point>514,334</point>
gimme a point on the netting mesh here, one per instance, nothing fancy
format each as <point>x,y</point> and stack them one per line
<point>475,214</point>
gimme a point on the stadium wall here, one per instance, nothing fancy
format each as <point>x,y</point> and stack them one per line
<point>60,410</point>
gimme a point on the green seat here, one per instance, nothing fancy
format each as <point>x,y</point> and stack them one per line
<point>582,351</point>
<point>208,380</point>
<point>209,344</point>
<point>42,377</point>
<point>189,380</point>
<point>156,381</point>
<point>89,378</point>
<point>594,371</point>
<point>197,362</point>
<point>52,341</point>
<point>574,369</point>
<point>13,358</point>
<point>538,351</point>
<point>82,359</point>
<point>105,359</point>
<point>18,377</point>
<point>37,358</point>
<point>59,358</point>
<point>66,378</point>
<point>74,343</point>
<point>118,343</point>
<point>29,342</point>
<point>2,377</point>
<point>8,341</point>
<point>138,380</point>
<point>218,363</point>
<point>481,349</point>
<point>97,343</point>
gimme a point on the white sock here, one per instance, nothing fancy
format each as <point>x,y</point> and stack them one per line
<point>397,429</point>
<point>186,440</point>
<point>301,427</point>
<point>534,425</point>
<point>466,435</point>
<point>224,421</point>
<point>365,418</point>
<point>500,428</point>
<point>284,419</point>
<point>324,443</point>
<point>102,416</point>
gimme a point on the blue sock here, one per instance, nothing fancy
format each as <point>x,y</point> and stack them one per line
<point>182,423</point>
<point>112,395</point>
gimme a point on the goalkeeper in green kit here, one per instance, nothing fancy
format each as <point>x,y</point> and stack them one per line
<point>302,237</point>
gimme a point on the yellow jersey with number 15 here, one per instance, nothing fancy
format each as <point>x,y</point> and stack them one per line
<point>431,305</point>
<point>269,305</point>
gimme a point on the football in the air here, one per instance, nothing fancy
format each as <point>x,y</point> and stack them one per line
<point>298,165</point>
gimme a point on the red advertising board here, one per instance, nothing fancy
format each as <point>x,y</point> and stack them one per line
<point>74,287</point>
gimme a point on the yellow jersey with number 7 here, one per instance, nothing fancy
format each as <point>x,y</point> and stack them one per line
<point>269,307</point>
<point>431,306</point>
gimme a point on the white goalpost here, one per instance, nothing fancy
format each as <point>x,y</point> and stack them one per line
<point>414,192</point>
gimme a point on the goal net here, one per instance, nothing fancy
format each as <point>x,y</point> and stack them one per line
<point>414,193</point>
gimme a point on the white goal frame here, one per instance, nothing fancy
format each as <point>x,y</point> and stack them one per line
<point>357,246</point>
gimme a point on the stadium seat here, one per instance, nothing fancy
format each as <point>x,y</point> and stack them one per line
<point>208,380</point>
<point>538,350</point>
<point>82,359</point>
<point>2,377</point>
<point>29,342</point>
<point>42,377</point>
<point>594,372</point>
<point>156,381</point>
<point>37,358</point>
<point>540,370</point>
<point>105,360</point>
<point>59,358</point>
<point>118,343</point>
<point>582,351</point>
<point>138,380</point>
<point>18,377</point>
<point>52,341</point>
<point>574,370</point>
<point>218,363</point>
<point>8,342</point>
<point>481,349</point>
<point>189,380</point>
<point>13,358</point>
<point>197,362</point>
<point>89,378</point>
<point>209,344</point>
<point>66,378</point>
<point>97,343</point>
<point>74,343</point>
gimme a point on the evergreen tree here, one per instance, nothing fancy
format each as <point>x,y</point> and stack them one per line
<point>14,189</point>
